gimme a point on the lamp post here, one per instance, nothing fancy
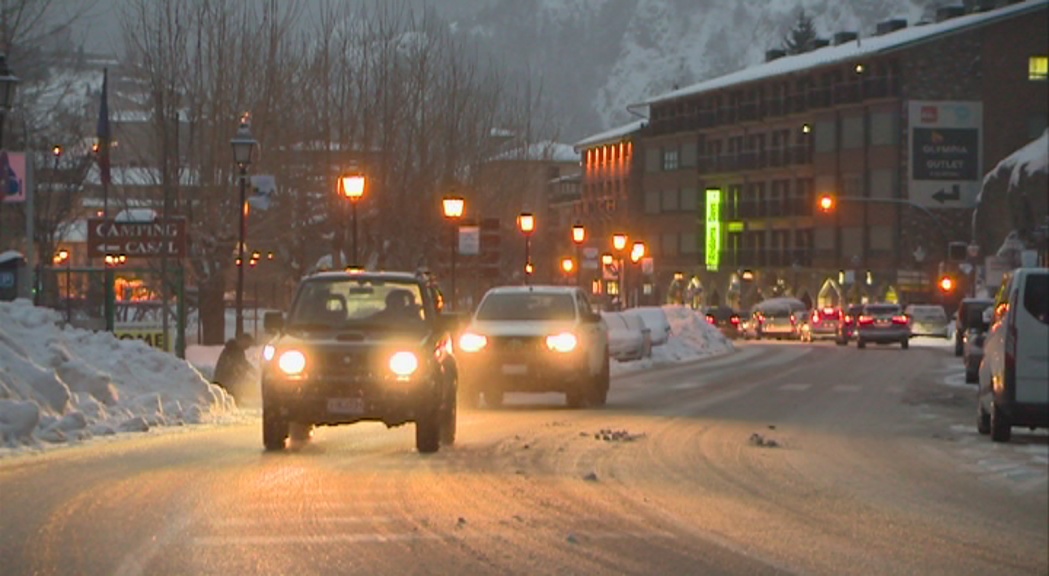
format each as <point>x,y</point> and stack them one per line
<point>526,223</point>
<point>62,257</point>
<point>243,145</point>
<point>351,185</point>
<point>567,266</point>
<point>578,237</point>
<point>637,252</point>
<point>453,211</point>
<point>8,84</point>
<point>619,241</point>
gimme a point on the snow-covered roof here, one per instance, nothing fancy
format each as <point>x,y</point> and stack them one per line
<point>137,176</point>
<point>11,255</point>
<point>865,46</point>
<point>546,150</point>
<point>1029,160</point>
<point>613,135</point>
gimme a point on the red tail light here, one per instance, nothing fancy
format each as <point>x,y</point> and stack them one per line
<point>865,320</point>
<point>849,320</point>
<point>900,320</point>
<point>711,320</point>
<point>815,317</point>
<point>734,320</point>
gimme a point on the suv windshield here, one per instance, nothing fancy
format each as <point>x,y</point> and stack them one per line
<point>527,306</point>
<point>339,303</point>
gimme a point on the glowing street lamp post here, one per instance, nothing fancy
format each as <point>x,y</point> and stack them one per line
<point>567,266</point>
<point>63,257</point>
<point>526,223</point>
<point>352,187</point>
<point>637,252</point>
<point>578,237</point>
<point>453,211</point>
<point>243,145</point>
<point>619,241</point>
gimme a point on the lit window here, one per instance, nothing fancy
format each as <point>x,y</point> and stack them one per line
<point>1038,67</point>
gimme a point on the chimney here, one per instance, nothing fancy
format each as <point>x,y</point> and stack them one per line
<point>843,37</point>
<point>887,26</point>
<point>820,43</point>
<point>774,54</point>
<point>948,12</point>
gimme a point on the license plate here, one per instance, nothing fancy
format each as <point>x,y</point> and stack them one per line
<point>515,369</point>
<point>883,322</point>
<point>346,405</point>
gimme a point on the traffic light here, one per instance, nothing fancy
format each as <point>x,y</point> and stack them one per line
<point>946,284</point>
<point>826,203</point>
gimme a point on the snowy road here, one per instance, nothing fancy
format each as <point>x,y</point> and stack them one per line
<point>781,458</point>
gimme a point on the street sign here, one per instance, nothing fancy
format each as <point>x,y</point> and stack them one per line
<point>136,239</point>
<point>469,240</point>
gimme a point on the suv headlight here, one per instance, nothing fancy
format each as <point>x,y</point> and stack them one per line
<point>470,342</point>
<point>292,362</point>
<point>404,364</point>
<point>563,342</point>
<point>268,351</point>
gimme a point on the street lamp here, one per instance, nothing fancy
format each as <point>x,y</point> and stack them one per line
<point>619,241</point>
<point>637,252</point>
<point>351,185</point>
<point>453,211</point>
<point>243,145</point>
<point>578,237</point>
<point>62,257</point>
<point>526,223</point>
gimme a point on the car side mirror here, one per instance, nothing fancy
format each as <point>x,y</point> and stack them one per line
<point>273,322</point>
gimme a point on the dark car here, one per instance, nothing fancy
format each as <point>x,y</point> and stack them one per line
<point>726,320</point>
<point>847,325</point>
<point>822,323</point>
<point>969,314</point>
<point>359,346</point>
<point>535,339</point>
<point>883,323</point>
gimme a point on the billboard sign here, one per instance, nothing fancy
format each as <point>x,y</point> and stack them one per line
<point>136,239</point>
<point>12,176</point>
<point>945,153</point>
<point>713,236</point>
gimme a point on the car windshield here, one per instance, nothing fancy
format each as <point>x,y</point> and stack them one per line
<point>347,303</point>
<point>527,306</point>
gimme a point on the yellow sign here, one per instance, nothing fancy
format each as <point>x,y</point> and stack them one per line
<point>713,243</point>
<point>152,336</point>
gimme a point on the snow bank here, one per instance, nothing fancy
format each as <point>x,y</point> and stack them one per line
<point>61,384</point>
<point>691,338</point>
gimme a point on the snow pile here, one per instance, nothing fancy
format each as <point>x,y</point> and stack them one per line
<point>60,385</point>
<point>691,338</point>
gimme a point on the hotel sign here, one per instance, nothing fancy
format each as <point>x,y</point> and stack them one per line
<point>713,235</point>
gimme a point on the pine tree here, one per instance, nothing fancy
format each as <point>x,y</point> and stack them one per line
<point>802,37</point>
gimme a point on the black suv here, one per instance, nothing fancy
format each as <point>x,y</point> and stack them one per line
<point>360,346</point>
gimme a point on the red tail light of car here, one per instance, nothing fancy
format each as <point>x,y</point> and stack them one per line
<point>900,320</point>
<point>734,320</point>
<point>711,320</point>
<point>815,317</point>
<point>865,320</point>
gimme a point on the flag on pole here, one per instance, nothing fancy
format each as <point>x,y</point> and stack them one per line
<point>103,134</point>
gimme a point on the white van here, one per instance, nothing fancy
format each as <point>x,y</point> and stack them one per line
<point>1014,373</point>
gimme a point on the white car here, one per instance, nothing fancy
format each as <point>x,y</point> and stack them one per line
<point>1014,373</point>
<point>534,339</point>
<point>656,319</point>
<point>628,337</point>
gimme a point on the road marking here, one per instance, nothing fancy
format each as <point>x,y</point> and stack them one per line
<point>846,388</point>
<point>310,539</point>
<point>795,387</point>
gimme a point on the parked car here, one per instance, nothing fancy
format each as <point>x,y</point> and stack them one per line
<point>928,320</point>
<point>656,319</point>
<point>359,346</point>
<point>1014,373</point>
<point>535,339</point>
<point>821,323</point>
<point>883,323</point>
<point>726,319</point>
<point>969,313</point>
<point>628,337</point>
<point>847,326</point>
<point>972,348</point>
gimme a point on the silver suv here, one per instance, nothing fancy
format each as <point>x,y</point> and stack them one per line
<point>534,339</point>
